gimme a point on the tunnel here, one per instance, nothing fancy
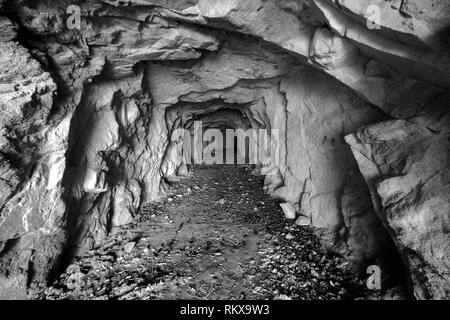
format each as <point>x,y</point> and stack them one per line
<point>224,136</point>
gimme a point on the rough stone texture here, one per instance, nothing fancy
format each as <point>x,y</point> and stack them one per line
<point>87,117</point>
<point>32,165</point>
<point>411,21</point>
<point>288,210</point>
<point>106,129</point>
<point>407,169</point>
<point>8,30</point>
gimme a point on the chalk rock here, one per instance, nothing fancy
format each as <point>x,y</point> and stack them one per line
<point>406,167</point>
<point>288,210</point>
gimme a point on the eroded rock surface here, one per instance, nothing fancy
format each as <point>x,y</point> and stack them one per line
<point>407,168</point>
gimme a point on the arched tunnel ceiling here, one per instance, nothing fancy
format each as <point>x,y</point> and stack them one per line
<point>229,118</point>
<point>214,113</point>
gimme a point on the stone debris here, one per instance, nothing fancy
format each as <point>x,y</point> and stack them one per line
<point>209,253</point>
<point>303,221</point>
<point>129,247</point>
<point>288,210</point>
<point>289,236</point>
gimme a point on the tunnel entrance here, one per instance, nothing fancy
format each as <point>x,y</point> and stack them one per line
<point>219,132</point>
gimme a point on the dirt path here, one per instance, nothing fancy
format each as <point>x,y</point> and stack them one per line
<point>217,236</point>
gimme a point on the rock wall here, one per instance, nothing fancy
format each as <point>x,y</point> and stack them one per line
<point>406,167</point>
<point>87,117</point>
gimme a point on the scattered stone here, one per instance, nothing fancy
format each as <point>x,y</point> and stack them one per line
<point>288,210</point>
<point>255,253</point>
<point>303,221</point>
<point>129,247</point>
<point>74,279</point>
<point>183,171</point>
<point>282,297</point>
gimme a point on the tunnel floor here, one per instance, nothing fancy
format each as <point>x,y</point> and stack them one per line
<point>216,235</point>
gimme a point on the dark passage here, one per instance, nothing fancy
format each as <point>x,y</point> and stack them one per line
<point>216,236</point>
